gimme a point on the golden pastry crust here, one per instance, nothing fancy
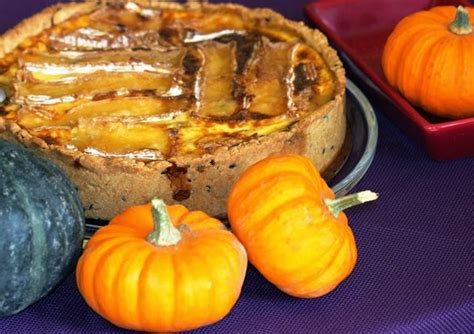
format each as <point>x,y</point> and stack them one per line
<point>108,185</point>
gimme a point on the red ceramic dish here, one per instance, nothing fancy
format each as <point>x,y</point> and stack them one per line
<point>360,28</point>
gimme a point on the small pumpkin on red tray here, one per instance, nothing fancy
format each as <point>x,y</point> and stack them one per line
<point>429,58</point>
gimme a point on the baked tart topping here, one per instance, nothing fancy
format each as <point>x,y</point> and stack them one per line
<point>126,80</point>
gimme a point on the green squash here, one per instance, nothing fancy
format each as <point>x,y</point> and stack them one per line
<point>41,227</point>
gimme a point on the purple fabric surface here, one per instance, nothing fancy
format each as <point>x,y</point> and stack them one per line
<point>415,271</point>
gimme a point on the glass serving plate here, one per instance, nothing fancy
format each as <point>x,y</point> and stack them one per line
<point>364,132</point>
<point>363,128</point>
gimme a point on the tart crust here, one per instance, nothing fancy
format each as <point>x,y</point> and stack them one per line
<point>108,185</point>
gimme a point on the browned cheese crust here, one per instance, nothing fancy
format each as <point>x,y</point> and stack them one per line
<point>108,185</point>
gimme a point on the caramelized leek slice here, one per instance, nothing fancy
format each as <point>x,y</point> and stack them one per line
<point>118,138</point>
<point>270,89</point>
<point>64,65</point>
<point>278,33</point>
<point>215,81</point>
<point>204,22</point>
<point>131,108</point>
<point>313,82</point>
<point>97,83</point>
<point>43,77</point>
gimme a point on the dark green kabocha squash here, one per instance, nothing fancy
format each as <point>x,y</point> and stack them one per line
<point>41,227</point>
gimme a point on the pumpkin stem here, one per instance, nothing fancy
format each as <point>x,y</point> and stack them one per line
<point>164,233</point>
<point>461,24</point>
<point>338,205</point>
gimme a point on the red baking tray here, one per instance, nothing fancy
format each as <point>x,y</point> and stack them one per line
<point>359,28</point>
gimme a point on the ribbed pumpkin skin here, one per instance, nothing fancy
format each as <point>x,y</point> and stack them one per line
<point>41,227</point>
<point>431,66</point>
<point>276,209</point>
<point>139,286</point>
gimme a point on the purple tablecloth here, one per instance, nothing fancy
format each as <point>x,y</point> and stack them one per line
<point>416,266</point>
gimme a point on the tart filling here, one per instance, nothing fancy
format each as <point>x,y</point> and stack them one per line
<point>126,80</point>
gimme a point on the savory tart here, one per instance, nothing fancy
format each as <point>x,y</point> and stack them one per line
<point>145,98</point>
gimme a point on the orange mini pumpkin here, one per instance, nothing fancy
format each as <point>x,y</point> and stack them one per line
<point>285,215</point>
<point>161,269</point>
<point>429,58</point>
